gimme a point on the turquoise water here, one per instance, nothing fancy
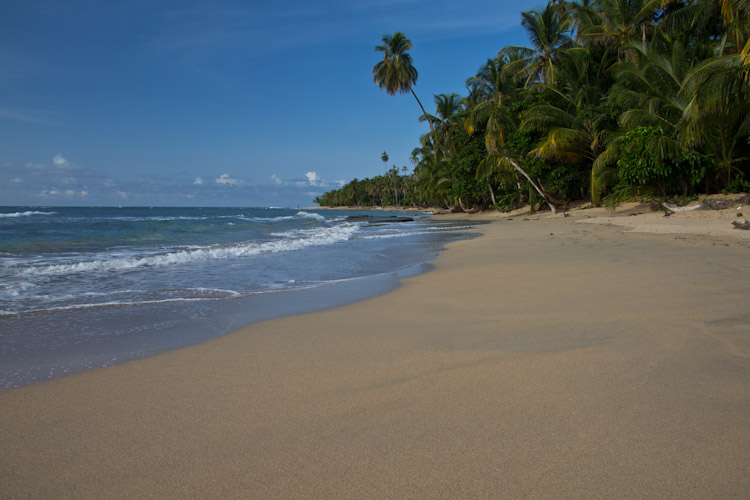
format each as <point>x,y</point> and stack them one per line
<point>86,287</point>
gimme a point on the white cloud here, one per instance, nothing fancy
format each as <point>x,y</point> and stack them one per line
<point>70,192</point>
<point>17,180</point>
<point>122,194</point>
<point>275,179</point>
<point>84,193</point>
<point>313,178</point>
<point>340,182</point>
<point>198,181</point>
<point>60,161</point>
<point>226,180</point>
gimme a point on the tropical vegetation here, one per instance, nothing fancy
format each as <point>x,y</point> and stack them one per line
<point>612,100</point>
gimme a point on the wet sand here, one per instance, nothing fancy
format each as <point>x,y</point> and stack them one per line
<point>550,358</point>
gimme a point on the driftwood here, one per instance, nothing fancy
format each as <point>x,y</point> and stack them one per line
<point>723,204</point>
<point>741,224</point>
<point>658,205</point>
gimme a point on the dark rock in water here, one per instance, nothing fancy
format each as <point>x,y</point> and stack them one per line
<point>386,219</point>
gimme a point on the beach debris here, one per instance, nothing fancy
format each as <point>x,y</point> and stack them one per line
<point>659,205</point>
<point>741,224</point>
<point>675,208</point>
<point>716,204</point>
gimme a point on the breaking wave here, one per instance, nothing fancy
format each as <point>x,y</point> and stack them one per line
<point>24,214</point>
<point>318,237</point>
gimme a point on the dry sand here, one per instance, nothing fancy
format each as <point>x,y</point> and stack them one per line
<point>550,358</point>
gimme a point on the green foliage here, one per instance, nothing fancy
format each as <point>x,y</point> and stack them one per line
<point>737,186</point>
<point>462,168</point>
<point>638,166</point>
<point>692,167</point>
<point>621,99</point>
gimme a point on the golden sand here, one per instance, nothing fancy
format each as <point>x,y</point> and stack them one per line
<point>549,358</point>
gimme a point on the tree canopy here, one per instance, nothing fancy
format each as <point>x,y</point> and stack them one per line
<point>612,100</point>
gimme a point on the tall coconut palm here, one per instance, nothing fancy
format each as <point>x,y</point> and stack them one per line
<point>650,92</point>
<point>395,73</point>
<point>619,22</point>
<point>384,159</point>
<point>549,32</point>
<point>570,115</point>
<point>718,89</point>
<point>495,113</point>
<point>718,113</point>
<point>444,122</point>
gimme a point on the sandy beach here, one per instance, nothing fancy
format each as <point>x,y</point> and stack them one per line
<point>599,355</point>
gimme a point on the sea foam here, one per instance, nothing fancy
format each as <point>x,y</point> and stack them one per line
<point>310,238</point>
<point>28,213</point>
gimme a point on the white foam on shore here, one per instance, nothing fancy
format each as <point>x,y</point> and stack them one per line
<point>317,237</point>
<point>184,295</point>
<point>424,230</point>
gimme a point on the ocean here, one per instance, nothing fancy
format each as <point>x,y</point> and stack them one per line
<point>86,287</point>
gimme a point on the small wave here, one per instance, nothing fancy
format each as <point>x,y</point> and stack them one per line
<point>25,214</point>
<point>184,295</point>
<point>15,289</point>
<point>266,219</point>
<point>319,237</point>
<point>105,304</point>
<point>309,215</point>
<point>417,232</point>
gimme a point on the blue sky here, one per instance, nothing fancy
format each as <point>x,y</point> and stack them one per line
<point>220,103</point>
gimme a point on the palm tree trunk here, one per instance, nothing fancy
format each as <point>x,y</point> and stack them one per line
<point>492,194</point>
<point>537,188</point>
<point>422,107</point>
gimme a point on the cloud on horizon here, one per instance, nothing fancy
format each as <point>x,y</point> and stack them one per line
<point>62,182</point>
<point>225,180</point>
<point>60,161</point>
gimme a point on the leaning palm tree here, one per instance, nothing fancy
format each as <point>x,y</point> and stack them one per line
<point>395,73</point>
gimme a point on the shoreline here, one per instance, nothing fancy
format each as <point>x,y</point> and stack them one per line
<point>46,344</point>
<point>549,358</point>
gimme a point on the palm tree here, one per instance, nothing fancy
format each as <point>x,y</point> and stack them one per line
<point>718,113</point>
<point>548,32</point>
<point>395,73</point>
<point>620,21</point>
<point>443,123</point>
<point>571,116</point>
<point>384,158</point>
<point>495,112</point>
